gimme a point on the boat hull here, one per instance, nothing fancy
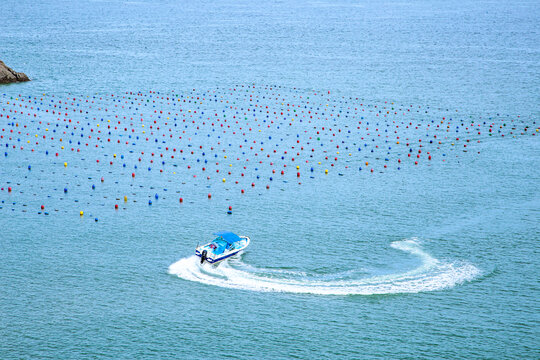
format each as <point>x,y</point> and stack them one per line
<point>213,258</point>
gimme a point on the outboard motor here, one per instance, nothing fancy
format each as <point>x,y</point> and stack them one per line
<point>203,256</point>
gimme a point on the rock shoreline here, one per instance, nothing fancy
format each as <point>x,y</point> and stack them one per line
<point>8,75</point>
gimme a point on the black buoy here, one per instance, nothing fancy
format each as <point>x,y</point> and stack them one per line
<point>203,256</point>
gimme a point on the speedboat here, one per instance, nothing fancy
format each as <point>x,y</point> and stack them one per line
<point>225,245</point>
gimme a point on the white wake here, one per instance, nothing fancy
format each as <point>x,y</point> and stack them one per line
<point>431,275</point>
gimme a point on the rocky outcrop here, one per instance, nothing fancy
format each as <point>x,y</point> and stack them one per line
<point>7,75</point>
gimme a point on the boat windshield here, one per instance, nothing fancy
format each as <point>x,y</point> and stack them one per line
<point>220,245</point>
<point>220,242</point>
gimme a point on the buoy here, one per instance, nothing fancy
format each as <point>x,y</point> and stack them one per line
<point>116,206</point>
<point>209,196</point>
<point>181,200</point>
<point>42,207</point>
<point>81,213</point>
<point>125,198</point>
<point>65,164</point>
<point>326,171</point>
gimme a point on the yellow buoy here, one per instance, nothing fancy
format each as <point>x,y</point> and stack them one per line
<point>81,213</point>
<point>326,171</point>
<point>223,179</point>
<point>65,164</point>
<point>125,198</point>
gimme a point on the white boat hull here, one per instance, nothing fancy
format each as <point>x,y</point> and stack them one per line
<point>213,258</point>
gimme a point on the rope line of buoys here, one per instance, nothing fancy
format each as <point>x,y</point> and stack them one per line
<point>222,139</point>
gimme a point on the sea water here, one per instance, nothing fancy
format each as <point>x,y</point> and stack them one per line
<point>435,260</point>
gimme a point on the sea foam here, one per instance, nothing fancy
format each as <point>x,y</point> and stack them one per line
<point>430,275</point>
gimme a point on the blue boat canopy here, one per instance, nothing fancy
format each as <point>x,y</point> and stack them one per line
<point>228,236</point>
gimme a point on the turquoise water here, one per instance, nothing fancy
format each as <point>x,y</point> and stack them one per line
<point>437,259</point>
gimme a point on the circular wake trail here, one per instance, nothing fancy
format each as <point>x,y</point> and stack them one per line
<point>431,275</point>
